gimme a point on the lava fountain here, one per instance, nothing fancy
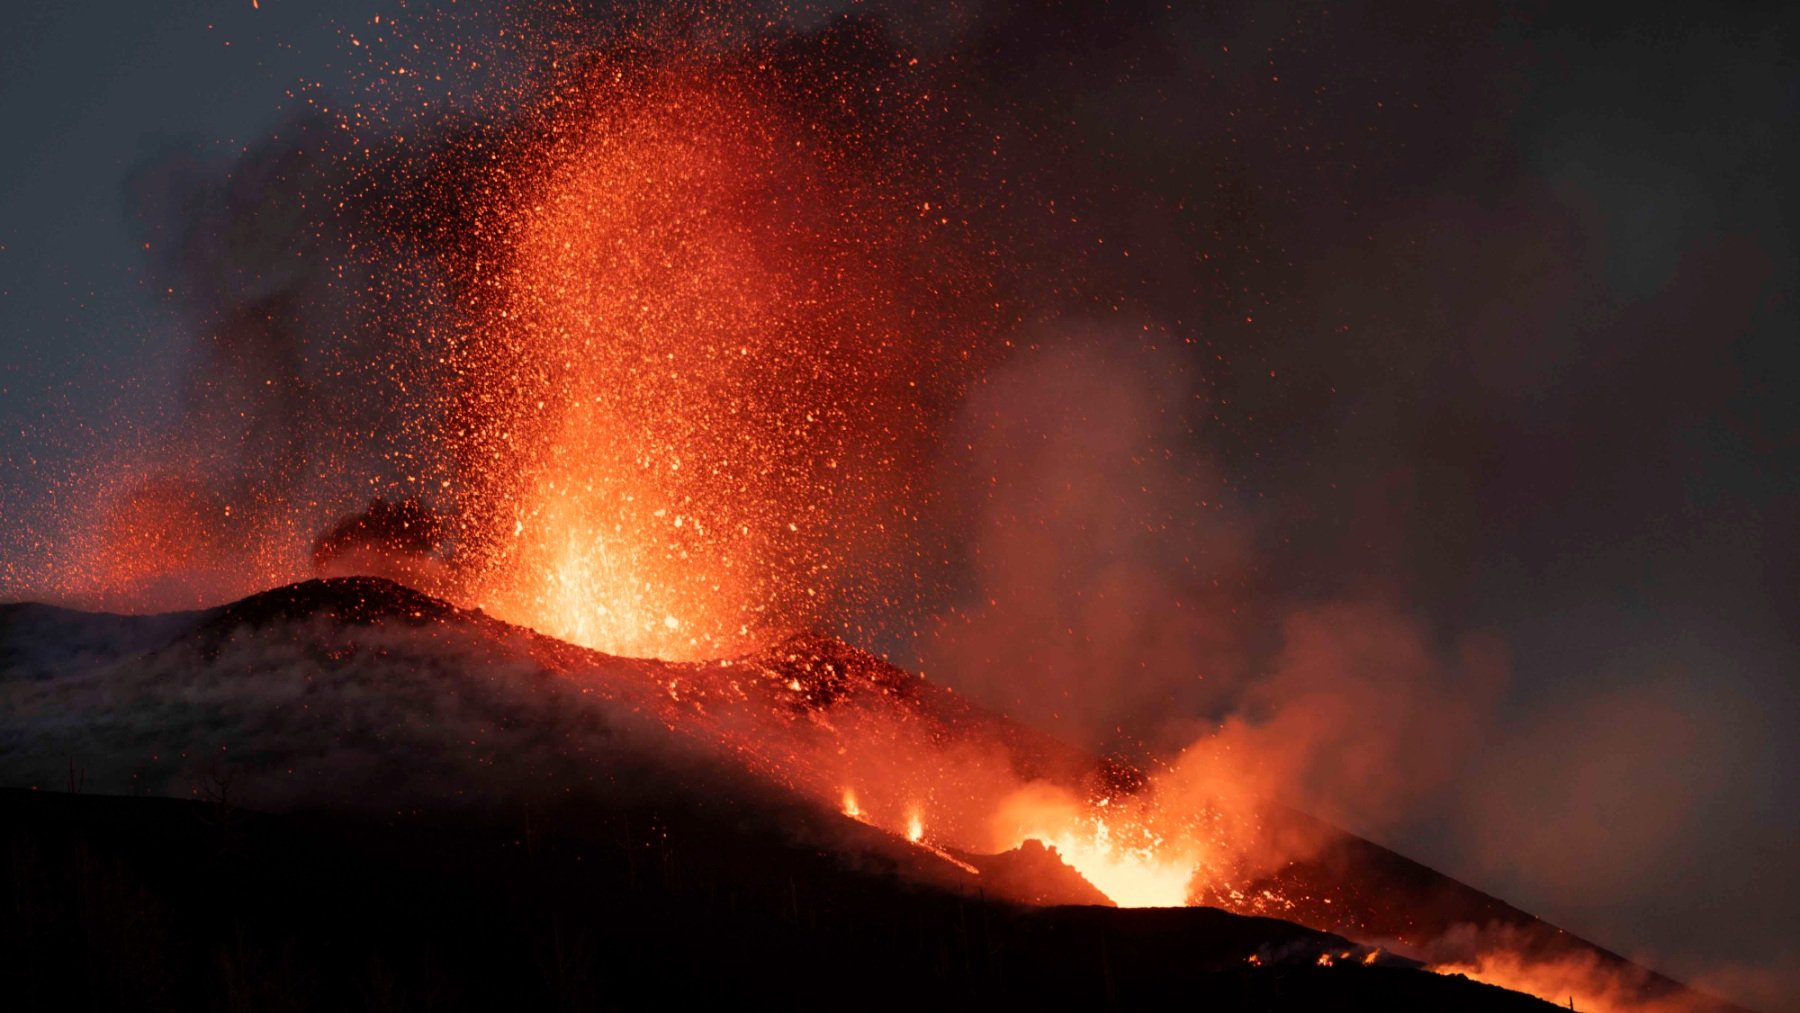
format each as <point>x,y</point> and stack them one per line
<point>698,381</point>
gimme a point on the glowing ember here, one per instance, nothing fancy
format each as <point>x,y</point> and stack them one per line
<point>851,809</point>
<point>915,827</point>
<point>696,370</point>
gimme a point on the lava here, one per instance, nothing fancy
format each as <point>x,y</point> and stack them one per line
<point>693,388</point>
<point>1140,875</point>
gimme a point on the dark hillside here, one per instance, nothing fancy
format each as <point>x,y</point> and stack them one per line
<point>131,903</point>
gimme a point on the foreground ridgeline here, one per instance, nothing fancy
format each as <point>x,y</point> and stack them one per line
<point>347,794</point>
<point>129,903</point>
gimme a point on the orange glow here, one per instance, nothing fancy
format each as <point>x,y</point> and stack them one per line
<point>696,379</point>
<point>851,809</point>
<point>915,827</point>
<point>1579,980</point>
<point>1131,875</point>
<point>1115,847</point>
<point>627,323</point>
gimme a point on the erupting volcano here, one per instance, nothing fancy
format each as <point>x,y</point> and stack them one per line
<point>581,419</point>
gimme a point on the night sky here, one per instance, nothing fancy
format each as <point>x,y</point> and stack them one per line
<point>1485,325</point>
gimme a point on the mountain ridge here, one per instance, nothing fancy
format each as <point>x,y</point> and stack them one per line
<point>377,686</point>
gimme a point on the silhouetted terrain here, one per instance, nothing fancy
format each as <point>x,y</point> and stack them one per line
<point>386,802</point>
<point>163,904</point>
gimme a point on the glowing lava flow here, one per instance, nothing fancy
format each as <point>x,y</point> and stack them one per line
<point>1119,856</point>
<point>1121,848</point>
<point>1129,875</point>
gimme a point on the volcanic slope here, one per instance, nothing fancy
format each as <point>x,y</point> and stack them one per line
<point>370,765</point>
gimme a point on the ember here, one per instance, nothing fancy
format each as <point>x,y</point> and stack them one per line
<point>694,377</point>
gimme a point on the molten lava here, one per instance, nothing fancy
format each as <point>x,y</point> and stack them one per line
<point>1142,874</point>
<point>693,391</point>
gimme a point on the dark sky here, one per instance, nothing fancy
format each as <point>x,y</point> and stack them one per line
<point>1505,303</point>
<point>94,97</point>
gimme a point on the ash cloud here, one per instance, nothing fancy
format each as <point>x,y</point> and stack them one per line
<point>1120,595</point>
<point>1487,308</point>
<point>404,542</point>
<point>1103,558</point>
<point>304,388</point>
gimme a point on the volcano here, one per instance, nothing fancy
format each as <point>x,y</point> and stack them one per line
<point>348,793</point>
